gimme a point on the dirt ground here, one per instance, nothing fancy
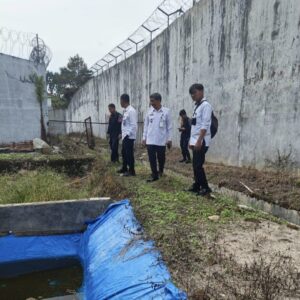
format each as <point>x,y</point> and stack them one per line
<point>249,242</point>
<point>277,187</point>
<point>251,261</point>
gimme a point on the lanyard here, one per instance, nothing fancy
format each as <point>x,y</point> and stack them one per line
<point>197,106</point>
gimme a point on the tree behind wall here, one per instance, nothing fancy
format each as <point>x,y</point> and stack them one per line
<point>63,85</point>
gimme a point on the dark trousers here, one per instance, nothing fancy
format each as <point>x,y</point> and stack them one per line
<point>127,155</point>
<point>199,173</point>
<point>156,153</point>
<point>184,145</point>
<point>114,147</point>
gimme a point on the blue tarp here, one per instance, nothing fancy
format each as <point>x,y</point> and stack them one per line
<point>117,262</point>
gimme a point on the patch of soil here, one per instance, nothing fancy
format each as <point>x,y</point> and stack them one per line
<point>280,188</point>
<point>261,261</point>
<point>249,241</point>
<point>229,263</point>
<point>103,182</point>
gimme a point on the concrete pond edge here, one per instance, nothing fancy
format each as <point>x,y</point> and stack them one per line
<point>50,218</point>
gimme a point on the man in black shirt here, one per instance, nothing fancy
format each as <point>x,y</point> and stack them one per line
<point>185,130</point>
<point>114,131</point>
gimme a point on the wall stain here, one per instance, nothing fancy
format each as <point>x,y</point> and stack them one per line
<point>245,34</point>
<point>222,41</point>
<point>187,44</point>
<point>166,56</point>
<point>262,71</point>
<point>276,21</point>
<point>261,36</point>
<point>211,37</point>
<point>23,79</point>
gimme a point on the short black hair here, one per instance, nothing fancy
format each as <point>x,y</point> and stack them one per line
<point>182,112</point>
<point>111,105</point>
<point>125,98</point>
<point>156,96</point>
<point>196,86</point>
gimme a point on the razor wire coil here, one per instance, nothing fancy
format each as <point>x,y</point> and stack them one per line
<point>24,45</point>
<point>165,14</point>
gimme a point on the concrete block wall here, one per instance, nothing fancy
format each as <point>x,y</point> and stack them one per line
<point>247,55</point>
<point>19,109</point>
<point>56,128</point>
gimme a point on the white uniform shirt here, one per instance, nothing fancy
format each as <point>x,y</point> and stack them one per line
<point>129,123</point>
<point>157,127</point>
<point>203,121</point>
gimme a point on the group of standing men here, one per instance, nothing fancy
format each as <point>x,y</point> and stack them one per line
<point>157,136</point>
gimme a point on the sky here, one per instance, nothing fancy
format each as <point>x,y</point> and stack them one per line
<point>90,28</point>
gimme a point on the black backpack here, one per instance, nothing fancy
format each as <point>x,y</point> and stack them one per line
<point>214,125</point>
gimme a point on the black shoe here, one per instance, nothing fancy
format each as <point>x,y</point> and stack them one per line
<point>204,192</point>
<point>121,171</point>
<point>182,160</point>
<point>188,161</point>
<point>152,179</point>
<point>193,189</point>
<point>128,174</point>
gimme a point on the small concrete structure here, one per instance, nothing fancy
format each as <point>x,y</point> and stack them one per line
<point>57,128</point>
<point>19,108</point>
<point>47,218</point>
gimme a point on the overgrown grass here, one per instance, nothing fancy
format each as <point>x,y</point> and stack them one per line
<point>36,186</point>
<point>45,184</point>
<point>167,202</point>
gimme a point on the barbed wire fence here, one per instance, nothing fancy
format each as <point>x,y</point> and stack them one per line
<point>24,45</point>
<point>164,15</point>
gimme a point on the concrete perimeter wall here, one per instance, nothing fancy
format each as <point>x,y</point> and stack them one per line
<point>246,53</point>
<point>56,128</point>
<point>19,109</point>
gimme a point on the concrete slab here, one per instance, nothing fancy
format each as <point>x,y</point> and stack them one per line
<point>46,218</point>
<point>71,297</point>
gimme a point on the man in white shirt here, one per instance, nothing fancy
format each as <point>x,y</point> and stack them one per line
<point>157,135</point>
<point>200,138</point>
<point>129,128</point>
